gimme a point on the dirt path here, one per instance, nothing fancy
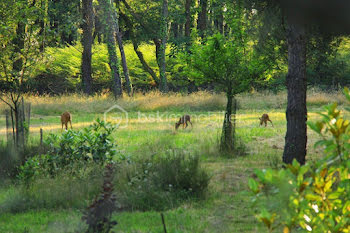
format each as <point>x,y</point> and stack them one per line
<point>49,127</point>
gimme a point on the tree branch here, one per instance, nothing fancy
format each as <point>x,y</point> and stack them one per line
<point>3,100</point>
<point>138,18</point>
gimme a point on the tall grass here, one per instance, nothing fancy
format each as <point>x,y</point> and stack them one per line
<point>10,158</point>
<point>51,193</point>
<point>77,103</point>
<point>156,101</point>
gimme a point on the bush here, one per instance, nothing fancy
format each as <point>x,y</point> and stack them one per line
<point>159,183</point>
<point>313,197</point>
<point>71,151</point>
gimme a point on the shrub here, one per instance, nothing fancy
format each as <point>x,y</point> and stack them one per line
<point>159,183</point>
<point>71,151</point>
<point>313,197</point>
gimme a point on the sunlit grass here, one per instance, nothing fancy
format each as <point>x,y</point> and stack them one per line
<point>149,130</point>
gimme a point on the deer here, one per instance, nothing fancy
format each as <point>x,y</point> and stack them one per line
<point>183,121</point>
<point>264,119</point>
<point>65,118</point>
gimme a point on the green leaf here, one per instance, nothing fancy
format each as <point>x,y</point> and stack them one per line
<point>347,93</point>
<point>253,185</point>
<point>313,197</point>
<point>260,174</point>
<point>334,195</point>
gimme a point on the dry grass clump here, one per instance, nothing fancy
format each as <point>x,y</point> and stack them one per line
<point>195,101</point>
<point>48,105</point>
<point>99,103</point>
<point>319,98</point>
<point>269,100</point>
<point>262,100</point>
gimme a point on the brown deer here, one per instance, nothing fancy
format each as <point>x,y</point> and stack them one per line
<point>264,119</point>
<point>183,121</point>
<point>65,118</point>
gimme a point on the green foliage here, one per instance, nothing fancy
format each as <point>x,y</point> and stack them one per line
<point>221,62</point>
<point>19,36</point>
<point>313,197</point>
<point>159,183</point>
<point>71,151</point>
<point>59,72</point>
<point>66,18</point>
<point>257,25</point>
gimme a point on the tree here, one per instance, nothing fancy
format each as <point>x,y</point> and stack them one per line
<point>63,20</point>
<point>296,82</point>
<point>135,42</point>
<point>20,50</point>
<point>301,17</point>
<point>87,40</point>
<point>296,33</point>
<point>296,135</point>
<point>225,64</point>
<point>109,26</point>
<point>149,23</point>
<point>122,54</point>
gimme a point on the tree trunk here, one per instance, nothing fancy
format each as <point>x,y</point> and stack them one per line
<point>219,22</point>
<point>18,42</point>
<point>122,54</point>
<point>87,39</point>
<point>98,28</point>
<point>108,21</point>
<point>41,22</point>
<point>13,127</point>
<point>227,142</point>
<point>139,54</point>
<point>188,23</point>
<point>296,138</point>
<point>158,45</point>
<point>18,139</point>
<point>145,66</point>
<point>163,87</point>
<point>202,18</point>
<point>181,30</point>
<point>175,29</point>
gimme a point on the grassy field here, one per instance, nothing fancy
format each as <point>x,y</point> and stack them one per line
<point>148,128</point>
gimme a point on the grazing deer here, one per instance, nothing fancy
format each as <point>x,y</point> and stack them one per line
<point>65,118</point>
<point>183,121</point>
<point>264,119</point>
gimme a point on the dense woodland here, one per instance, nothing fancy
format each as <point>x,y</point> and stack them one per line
<point>181,49</point>
<point>74,45</point>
